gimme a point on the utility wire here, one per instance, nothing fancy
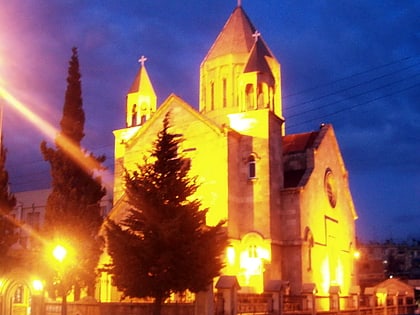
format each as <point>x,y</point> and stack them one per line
<point>354,106</point>
<point>354,86</point>
<point>350,76</point>
<point>355,95</point>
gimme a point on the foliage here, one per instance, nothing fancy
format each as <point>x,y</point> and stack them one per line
<point>73,207</point>
<point>163,245</point>
<point>7,202</point>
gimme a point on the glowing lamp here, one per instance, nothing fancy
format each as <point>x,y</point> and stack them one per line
<point>59,253</point>
<point>37,285</point>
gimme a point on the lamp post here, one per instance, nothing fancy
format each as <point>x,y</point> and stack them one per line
<point>60,254</point>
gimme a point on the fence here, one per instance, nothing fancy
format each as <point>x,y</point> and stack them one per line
<point>118,309</point>
<point>253,304</point>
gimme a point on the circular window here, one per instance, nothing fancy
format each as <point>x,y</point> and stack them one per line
<point>330,187</point>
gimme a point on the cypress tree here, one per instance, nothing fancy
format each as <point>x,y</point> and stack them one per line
<point>73,207</point>
<point>163,245</point>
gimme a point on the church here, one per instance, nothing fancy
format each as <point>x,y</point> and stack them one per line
<point>285,197</point>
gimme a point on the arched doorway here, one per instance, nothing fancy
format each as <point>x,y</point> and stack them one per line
<point>17,292</point>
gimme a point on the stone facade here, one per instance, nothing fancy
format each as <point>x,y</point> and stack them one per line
<point>285,198</point>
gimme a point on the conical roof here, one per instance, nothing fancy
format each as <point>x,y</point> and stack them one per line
<point>235,37</point>
<point>142,82</point>
<point>257,61</point>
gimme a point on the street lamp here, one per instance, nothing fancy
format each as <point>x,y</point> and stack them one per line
<point>60,254</point>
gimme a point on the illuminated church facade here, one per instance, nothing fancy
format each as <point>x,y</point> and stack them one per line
<point>285,198</point>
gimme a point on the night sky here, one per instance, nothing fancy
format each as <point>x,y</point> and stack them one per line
<point>355,64</point>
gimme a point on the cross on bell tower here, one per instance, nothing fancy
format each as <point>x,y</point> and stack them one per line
<point>256,35</point>
<point>142,60</point>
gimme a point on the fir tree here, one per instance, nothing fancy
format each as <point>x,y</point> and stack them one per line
<point>73,207</point>
<point>7,202</point>
<point>163,245</point>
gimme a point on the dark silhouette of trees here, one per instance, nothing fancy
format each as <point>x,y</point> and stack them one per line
<point>73,211</point>
<point>7,202</point>
<point>163,245</point>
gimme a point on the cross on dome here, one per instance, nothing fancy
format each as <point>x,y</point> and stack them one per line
<point>142,60</point>
<point>256,35</point>
<point>239,3</point>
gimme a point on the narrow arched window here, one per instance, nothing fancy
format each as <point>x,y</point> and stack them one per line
<point>134,115</point>
<point>249,95</point>
<point>212,95</point>
<point>143,119</point>
<point>252,172</point>
<point>224,83</point>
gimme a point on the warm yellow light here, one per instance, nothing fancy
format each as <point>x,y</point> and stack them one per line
<point>59,253</point>
<point>356,254</point>
<point>326,277</point>
<point>230,253</point>
<point>37,285</point>
<point>241,123</point>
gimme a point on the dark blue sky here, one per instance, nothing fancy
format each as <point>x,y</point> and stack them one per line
<point>352,63</point>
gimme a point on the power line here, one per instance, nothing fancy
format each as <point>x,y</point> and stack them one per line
<point>354,106</point>
<point>350,76</point>
<point>354,86</point>
<point>354,96</point>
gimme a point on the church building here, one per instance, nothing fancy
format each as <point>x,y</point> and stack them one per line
<point>285,198</point>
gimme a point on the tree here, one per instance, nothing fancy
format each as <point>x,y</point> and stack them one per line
<point>7,202</point>
<point>73,207</point>
<point>163,245</point>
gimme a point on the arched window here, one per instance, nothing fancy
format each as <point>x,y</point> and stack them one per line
<point>134,115</point>
<point>252,172</point>
<point>309,239</point>
<point>249,95</point>
<point>224,83</point>
<point>142,119</point>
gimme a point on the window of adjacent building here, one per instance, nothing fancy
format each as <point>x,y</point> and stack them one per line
<point>33,219</point>
<point>252,172</point>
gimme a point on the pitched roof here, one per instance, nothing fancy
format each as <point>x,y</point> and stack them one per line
<point>298,142</point>
<point>235,37</point>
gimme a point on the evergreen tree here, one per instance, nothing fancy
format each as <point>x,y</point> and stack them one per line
<point>7,202</point>
<point>73,207</point>
<point>163,245</point>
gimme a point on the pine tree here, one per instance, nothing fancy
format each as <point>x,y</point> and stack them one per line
<point>73,207</point>
<point>163,245</point>
<point>7,202</point>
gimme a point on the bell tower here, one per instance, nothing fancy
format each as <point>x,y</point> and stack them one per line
<point>239,73</point>
<point>141,98</point>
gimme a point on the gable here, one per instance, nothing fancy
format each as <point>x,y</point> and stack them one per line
<point>205,144</point>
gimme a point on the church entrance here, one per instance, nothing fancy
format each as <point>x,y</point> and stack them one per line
<point>16,295</point>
